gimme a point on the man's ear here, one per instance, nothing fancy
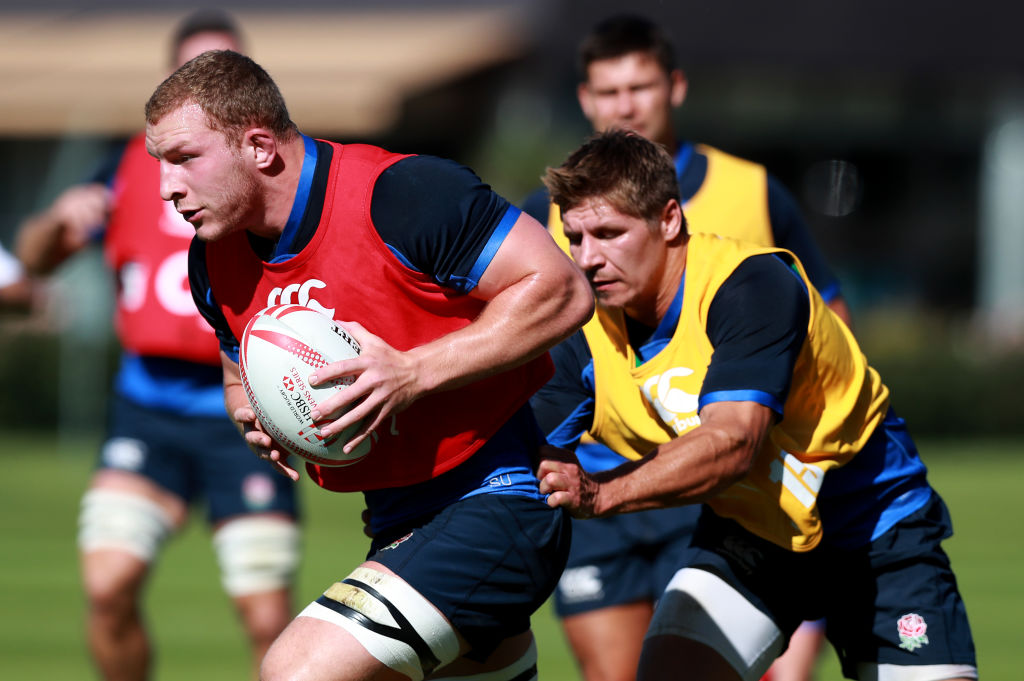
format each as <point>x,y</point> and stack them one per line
<point>259,145</point>
<point>677,87</point>
<point>672,222</point>
<point>586,101</point>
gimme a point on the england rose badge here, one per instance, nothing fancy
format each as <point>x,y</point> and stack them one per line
<point>912,628</point>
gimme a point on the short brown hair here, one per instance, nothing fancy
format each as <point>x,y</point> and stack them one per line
<point>636,176</point>
<point>233,91</point>
<point>624,34</point>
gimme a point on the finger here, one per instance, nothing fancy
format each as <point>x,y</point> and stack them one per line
<point>552,482</point>
<point>338,370</point>
<point>546,466</point>
<point>286,470</point>
<point>340,404</point>
<point>244,415</point>
<point>258,439</point>
<point>556,499</point>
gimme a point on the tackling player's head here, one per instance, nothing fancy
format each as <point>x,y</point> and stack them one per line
<point>632,175</point>
<point>621,215</point>
<point>629,78</point>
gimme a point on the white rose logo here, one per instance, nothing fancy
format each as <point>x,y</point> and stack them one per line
<point>912,628</point>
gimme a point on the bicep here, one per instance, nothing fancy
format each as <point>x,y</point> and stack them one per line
<point>742,427</point>
<point>525,251</point>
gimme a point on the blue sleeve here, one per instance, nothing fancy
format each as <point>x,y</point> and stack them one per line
<point>564,406</point>
<point>439,218</point>
<point>202,294</point>
<point>790,231</point>
<point>757,324</point>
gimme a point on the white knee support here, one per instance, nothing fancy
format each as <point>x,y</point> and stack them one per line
<point>111,519</point>
<point>523,669</point>
<point>390,619</point>
<point>700,606</point>
<point>259,553</point>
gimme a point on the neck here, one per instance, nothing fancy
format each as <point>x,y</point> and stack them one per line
<point>654,309</point>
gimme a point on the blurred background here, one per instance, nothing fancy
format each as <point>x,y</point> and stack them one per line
<point>898,126</point>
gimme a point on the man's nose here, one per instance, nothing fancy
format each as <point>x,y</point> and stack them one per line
<point>171,187</point>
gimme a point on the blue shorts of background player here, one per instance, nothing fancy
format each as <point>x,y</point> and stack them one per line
<point>195,458</point>
<point>624,558</point>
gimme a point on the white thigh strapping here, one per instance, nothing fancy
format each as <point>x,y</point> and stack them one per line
<point>932,672</point>
<point>380,635</point>
<point>256,554</point>
<point>524,664</point>
<point>702,607</point>
<point>112,519</point>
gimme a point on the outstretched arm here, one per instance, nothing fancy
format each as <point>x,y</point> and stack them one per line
<point>690,469</point>
<point>47,239</point>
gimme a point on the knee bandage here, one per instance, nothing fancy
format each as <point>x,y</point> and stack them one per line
<point>523,669</point>
<point>391,620</point>
<point>256,554</point>
<point>703,607</point>
<point>111,519</point>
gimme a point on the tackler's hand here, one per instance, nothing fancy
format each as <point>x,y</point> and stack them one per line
<point>566,483</point>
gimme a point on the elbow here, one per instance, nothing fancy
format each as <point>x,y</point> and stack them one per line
<point>579,303</point>
<point>736,458</point>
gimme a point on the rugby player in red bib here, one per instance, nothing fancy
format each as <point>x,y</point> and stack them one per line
<point>454,297</point>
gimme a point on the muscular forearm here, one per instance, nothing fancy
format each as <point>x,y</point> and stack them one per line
<point>689,470</point>
<point>39,246</point>
<point>692,468</point>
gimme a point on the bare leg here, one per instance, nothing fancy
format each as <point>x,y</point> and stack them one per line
<point>113,579</point>
<point>264,616</point>
<point>115,630</point>
<point>797,663</point>
<point>607,642</point>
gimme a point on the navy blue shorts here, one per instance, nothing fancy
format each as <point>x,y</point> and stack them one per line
<point>195,458</point>
<point>487,562</point>
<point>893,601</point>
<point>624,558</point>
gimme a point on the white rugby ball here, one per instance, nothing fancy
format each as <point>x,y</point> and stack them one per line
<point>280,348</point>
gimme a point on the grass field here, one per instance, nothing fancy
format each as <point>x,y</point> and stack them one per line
<point>197,637</point>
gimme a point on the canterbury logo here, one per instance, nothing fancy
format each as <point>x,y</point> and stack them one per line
<point>298,294</point>
<point>676,407</point>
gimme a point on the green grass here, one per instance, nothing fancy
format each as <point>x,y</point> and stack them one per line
<point>197,637</point>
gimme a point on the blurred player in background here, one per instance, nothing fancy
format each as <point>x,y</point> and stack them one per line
<point>716,369</point>
<point>617,567</point>
<point>454,296</point>
<point>170,443</point>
